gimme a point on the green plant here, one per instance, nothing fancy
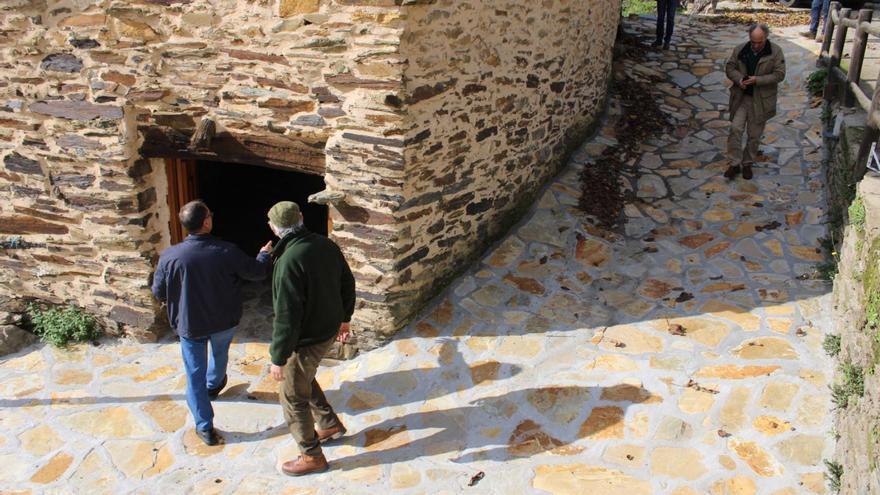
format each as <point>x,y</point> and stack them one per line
<point>816,82</point>
<point>828,268</point>
<point>871,286</point>
<point>852,384</point>
<point>60,326</point>
<point>831,344</point>
<point>835,472</point>
<point>640,7</point>
<point>857,214</point>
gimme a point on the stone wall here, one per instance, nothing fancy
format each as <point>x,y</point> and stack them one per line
<point>857,324</point>
<point>88,88</point>
<point>435,120</point>
<point>497,93</point>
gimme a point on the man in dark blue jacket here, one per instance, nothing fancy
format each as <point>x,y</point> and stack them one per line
<point>198,279</point>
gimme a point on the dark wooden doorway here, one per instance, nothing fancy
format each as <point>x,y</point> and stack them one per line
<point>240,196</point>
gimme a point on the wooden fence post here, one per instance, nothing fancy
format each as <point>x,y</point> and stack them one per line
<point>828,35</point>
<point>860,42</point>
<point>839,40</point>
<point>872,134</point>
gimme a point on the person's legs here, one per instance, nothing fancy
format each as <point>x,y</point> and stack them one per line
<point>661,19</point>
<point>322,411</point>
<point>195,362</point>
<point>815,11</point>
<point>737,127</point>
<point>754,131</point>
<point>219,357</point>
<point>296,396</point>
<point>671,7</point>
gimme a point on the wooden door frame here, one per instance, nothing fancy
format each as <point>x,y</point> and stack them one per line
<point>183,187</point>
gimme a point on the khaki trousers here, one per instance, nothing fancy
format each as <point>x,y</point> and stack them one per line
<point>303,400</point>
<point>744,120</point>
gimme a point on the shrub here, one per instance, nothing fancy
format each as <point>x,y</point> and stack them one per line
<point>832,344</point>
<point>60,326</point>
<point>816,82</point>
<point>852,384</point>
<point>835,471</point>
<point>857,214</point>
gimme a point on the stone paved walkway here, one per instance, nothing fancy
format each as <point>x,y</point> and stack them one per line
<point>555,366</point>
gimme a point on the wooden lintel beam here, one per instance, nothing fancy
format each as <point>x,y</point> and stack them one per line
<point>301,155</point>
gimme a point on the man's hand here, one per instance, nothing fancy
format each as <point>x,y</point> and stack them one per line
<point>750,80</point>
<point>277,372</point>
<point>344,333</point>
<point>267,248</point>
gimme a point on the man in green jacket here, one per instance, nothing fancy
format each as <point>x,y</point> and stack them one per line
<point>313,296</point>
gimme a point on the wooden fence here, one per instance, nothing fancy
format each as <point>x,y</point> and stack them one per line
<point>845,85</point>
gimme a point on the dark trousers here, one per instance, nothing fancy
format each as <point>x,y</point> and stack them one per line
<point>303,400</point>
<point>666,19</point>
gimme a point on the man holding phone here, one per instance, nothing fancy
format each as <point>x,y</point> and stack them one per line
<point>755,68</point>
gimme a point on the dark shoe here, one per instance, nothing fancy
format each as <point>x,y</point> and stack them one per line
<point>666,46</point>
<point>305,464</point>
<point>210,437</point>
<point>808,34</point>
<point>747,172</point>
<point>655,44</point>
<point>333,433</point>
<point>214,392</point>
<point>732,171</point>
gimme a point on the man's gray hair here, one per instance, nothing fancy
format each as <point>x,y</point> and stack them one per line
<point>762,27</point>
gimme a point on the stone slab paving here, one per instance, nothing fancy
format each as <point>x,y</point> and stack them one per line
<point>682,356</point>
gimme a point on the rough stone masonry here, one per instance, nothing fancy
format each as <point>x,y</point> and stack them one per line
<point>435,121</point>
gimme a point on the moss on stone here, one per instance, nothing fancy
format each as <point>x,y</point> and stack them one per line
<point>871,286</point>
<point>856,213</point>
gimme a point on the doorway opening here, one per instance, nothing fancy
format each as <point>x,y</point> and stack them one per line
<point>240,196</point>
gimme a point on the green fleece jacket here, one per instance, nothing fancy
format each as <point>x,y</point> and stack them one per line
<point>312,293</point>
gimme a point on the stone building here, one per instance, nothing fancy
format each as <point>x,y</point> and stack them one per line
<point>426,126</point>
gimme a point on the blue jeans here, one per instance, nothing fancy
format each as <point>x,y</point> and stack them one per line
<point>204,371</point>
<point>665,19</point>
<point>818,7</point>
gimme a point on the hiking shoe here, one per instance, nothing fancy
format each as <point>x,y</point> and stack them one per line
<point>210,437</point>
<point>732,171</point>
<point>333,433</point>
<point>655,44</point>
<point>808,34</point>
<point>747,172</point>
<point>305,464</point>
<point>214,392</point>
<point>666,46</point>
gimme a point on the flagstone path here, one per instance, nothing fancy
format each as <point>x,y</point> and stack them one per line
<point>682,356</point>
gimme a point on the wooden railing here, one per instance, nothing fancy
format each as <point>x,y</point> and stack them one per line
<point>846,85</point>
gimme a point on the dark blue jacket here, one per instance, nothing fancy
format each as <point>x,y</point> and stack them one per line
<point>199,280</point>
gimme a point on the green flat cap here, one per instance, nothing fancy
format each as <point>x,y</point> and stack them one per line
<point>285,214</point>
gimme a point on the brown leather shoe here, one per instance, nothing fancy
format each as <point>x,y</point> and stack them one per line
<point>305,464</point>
<point>332,433</point>
<point>732,171</point>
<point>747,172</point>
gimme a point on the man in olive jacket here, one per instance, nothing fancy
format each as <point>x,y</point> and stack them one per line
<point>313,294</point>
<point>755,68</point>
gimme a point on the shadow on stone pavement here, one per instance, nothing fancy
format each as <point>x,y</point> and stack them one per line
<point>565,416</point>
